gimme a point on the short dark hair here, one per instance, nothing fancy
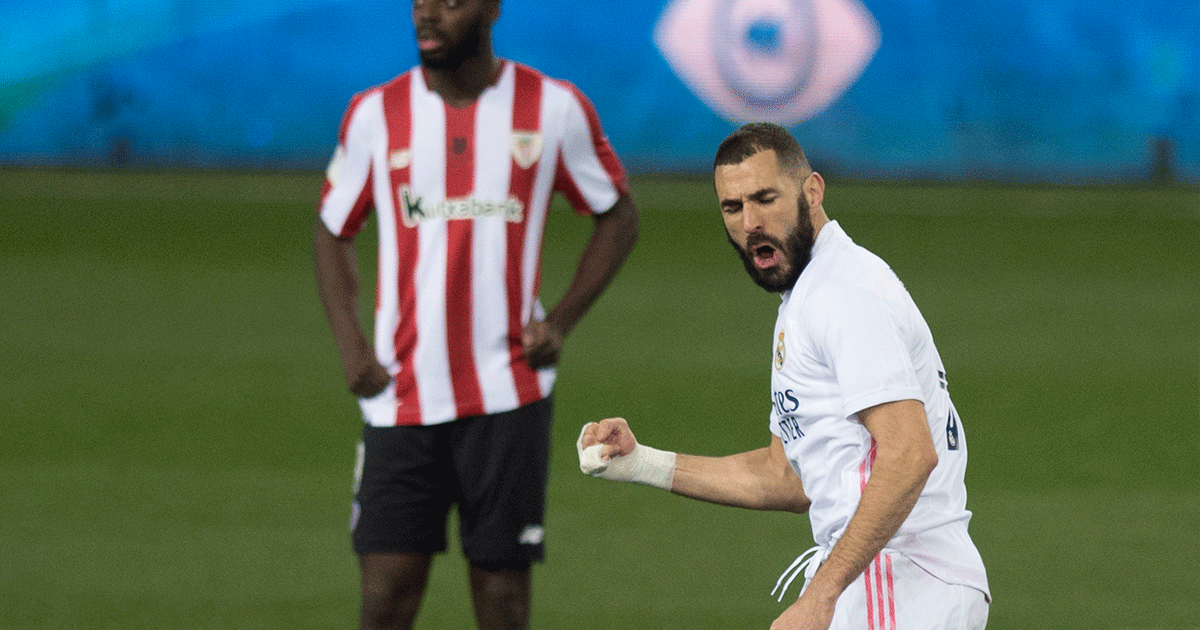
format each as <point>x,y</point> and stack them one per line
<point>762,136</point>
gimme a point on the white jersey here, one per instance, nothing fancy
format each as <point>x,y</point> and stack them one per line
<point>848,336</point>
<point>461,196</point>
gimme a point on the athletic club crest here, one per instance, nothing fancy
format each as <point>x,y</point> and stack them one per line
<point>779,353</point>
<point>526,148</point>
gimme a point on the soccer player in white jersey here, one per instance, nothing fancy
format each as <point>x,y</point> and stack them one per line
<point>863,434</point>
<point>459,158</point>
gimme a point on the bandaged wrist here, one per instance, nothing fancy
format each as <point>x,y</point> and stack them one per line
<point>645,465</point>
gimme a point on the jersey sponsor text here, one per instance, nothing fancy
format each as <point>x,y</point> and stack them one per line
<point>789,429</point>
<point>416,209</point>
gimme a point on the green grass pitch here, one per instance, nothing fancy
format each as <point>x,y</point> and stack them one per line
<point>176,443</point>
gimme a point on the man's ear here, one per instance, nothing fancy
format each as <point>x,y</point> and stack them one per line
<point>814,190</point>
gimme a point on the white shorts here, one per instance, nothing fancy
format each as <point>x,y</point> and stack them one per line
<point>896,594</point>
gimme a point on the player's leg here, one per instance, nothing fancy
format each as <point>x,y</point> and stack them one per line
<point>404,487</point>
<point>501,596</point>
<point>393,585</point>
<point>502,462</point>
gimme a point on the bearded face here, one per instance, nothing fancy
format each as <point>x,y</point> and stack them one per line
<point>767,217</point>
<point>446,39</point>
<point>773,263</point>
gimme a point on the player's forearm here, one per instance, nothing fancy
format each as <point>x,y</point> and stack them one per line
<point>613,237</point>
<point>750,480</point>
<point>337,285</point>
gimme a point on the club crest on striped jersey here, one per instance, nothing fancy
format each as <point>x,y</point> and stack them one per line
<point>526,148</point>
<point>780,353</point>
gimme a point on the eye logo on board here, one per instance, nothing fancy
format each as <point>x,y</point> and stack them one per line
<point>782,61</point>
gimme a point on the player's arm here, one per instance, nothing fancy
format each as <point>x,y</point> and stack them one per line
<point>337,284</point>
<point>905,457</point>
<point>760,479</point>
<point>613,235</point>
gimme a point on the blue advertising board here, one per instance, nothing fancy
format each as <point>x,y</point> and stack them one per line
<point>1015,90</point>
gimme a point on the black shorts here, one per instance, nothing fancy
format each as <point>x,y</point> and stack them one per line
<point>493,467</point>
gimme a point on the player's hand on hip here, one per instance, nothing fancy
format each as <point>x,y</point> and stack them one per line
<point>542,344</point>
<point>368,380</point>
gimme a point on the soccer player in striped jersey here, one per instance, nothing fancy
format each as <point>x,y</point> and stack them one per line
<point>458,159</point>
<point>864,436</point>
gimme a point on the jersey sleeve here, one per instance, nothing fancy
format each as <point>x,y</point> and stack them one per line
<point>346,196</point>
<point>588,172</point>
<point>863,340</point>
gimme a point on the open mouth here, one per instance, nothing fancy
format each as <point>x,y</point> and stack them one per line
<point>765,256</point>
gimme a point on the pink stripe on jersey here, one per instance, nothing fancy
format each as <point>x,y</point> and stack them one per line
<point>891,592</point>
<point>396,98</point>
<point>460,182</point>
<point>880,609</point>
<point>870,598</point>
<point>864,469</point>
<point>879,582</point>
<point>527,100</point>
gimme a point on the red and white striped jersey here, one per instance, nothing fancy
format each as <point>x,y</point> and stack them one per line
<point>461,197</point>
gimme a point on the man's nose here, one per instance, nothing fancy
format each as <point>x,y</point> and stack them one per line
<point>752,218</point>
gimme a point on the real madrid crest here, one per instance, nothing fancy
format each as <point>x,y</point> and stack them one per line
<point>526,148</point>
<point>779,353</point>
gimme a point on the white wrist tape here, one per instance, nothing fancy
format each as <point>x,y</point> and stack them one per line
<point>644,465</point>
